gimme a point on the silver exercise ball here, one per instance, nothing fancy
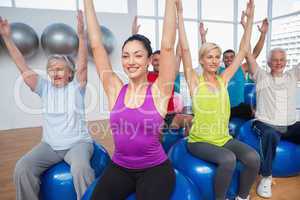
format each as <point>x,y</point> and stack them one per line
<point>59,38</point>
<point>25,38</point>
<point>108,39</point>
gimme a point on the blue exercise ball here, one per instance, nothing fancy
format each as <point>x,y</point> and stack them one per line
<point>298,156</point>
<point>25,38</point>
<point>170,137</point>
<point>234,126</point>
<point>108,40</point>
<point>184,190</point>
<point>250,94</point>
<point>57,181</point>
<point>59,38</point>
<point>200,172</point>
<point>286,152</point>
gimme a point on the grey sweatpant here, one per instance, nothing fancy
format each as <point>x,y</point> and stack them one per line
<point>225,157</point>
<point>29,168</point>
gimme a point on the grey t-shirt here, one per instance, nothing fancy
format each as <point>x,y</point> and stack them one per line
<point>276,97</point>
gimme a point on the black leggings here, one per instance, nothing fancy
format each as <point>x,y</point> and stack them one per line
<point>225,157</point>
<point>118,182</point>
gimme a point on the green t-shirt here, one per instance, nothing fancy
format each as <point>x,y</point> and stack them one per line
<point>211,114</point>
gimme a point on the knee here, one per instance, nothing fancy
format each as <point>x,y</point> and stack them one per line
<point>252,160</point>
<point>189,120</point>
<point>270,134</point>
<point>81,170</point>
<point>228,161</point>
<point>23,167</point>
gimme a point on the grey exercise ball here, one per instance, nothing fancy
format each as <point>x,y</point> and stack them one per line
<point>59,38</point>
<point>108,39</point>
<point>25,38</point>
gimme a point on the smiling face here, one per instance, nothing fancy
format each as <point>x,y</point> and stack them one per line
<point>155,61</point>
<point>277,61</point>
<point>210,60</point>
<point>135,59</point>
<point>228,58</point>
<point>59,72</point>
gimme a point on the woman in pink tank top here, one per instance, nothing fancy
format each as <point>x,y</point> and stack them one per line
<point>139,163</point>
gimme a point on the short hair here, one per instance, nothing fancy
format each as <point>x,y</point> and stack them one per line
<point>67,58</point>
<point>141,38</point>
<point>206,47</point>
<point>229,51</point>
<point>156,52</point>
<point>277,49</point>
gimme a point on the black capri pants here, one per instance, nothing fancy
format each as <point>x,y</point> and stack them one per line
<point>117,183</point>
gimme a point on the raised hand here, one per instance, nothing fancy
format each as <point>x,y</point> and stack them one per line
<point>264,26</point>
<point>179,7</point>
<point>5,30</point>
<point>135,26</point>
<point>29,76</point>
<point>250,9</point>
<point>202,30</point>
<point>243,20</point>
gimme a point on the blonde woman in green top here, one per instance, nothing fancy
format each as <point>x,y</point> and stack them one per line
<point>209,138</point>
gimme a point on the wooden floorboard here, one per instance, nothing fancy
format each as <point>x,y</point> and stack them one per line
<point>14,143</point>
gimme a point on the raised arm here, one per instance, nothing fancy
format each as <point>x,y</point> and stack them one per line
<point>178,57</point>
<point>167,62</point>
<point>135,27</point>
<point>202,32</point>
<point>260,43</point>
<point>29,76</point>
<point>112,84</point>
<point>190,74</point>
<point>81,65</point>
<point>244,45</point>
<point>251,62</point>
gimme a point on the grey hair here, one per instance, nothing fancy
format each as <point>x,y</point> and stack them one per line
<point>277,49</point>
<point>68,59</point>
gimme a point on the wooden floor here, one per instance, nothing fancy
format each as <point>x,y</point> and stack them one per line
<point>14,143</point>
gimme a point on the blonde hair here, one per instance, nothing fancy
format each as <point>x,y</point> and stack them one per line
<point>206,47</point>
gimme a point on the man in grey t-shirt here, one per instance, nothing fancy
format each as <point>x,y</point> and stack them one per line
<point>275,110</point>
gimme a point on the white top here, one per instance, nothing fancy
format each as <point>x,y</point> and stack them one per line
<point>276,97</point>
<point>64,122</point>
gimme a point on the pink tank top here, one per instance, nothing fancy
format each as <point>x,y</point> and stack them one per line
<point>136,133</point>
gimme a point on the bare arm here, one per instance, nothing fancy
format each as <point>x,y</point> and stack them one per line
<point>29,76</point>
<point>81,65</point>
<point>251,62</point>
<point>111,82</point>
<point>178,57</point>
<point>135,26</point>
<point>203,32</point>
<point>167,60</point>
<point>244,45</point>
<point>189,73</point>
<point>260,43</point>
